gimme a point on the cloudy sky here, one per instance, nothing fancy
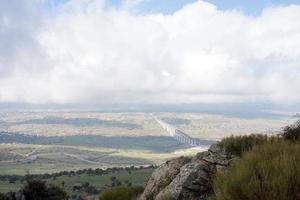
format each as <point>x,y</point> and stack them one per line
<point>149,51</point>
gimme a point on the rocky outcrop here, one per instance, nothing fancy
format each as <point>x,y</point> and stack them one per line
<point>186,178</point>
<point>163,176</point>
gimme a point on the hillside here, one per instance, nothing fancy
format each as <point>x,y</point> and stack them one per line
<point>236,168</point>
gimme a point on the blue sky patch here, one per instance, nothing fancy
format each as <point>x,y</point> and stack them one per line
<point>253,7</point>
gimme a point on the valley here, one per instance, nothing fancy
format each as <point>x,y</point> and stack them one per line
<point>49,142</point>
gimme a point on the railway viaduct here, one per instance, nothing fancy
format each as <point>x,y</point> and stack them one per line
<point>178,135</point>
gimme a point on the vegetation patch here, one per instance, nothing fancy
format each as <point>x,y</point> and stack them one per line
<point>82,122</point>
<point>36,190</point>
<point>122,193</point>
<point>237,145</point>
<point>292,132</point>
<point>149,143</point>
<point>82,183</point>
<point>270,172</point>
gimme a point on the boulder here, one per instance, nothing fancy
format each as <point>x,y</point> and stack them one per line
<point>186,178</point>
<point>162,177</point>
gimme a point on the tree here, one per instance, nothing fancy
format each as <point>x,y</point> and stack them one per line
<point>86,184</point>
<point>38,190</point>
<point>292,132</point>
<point>113,178</point>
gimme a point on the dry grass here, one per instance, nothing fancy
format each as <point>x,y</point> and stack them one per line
<point>269,172</point>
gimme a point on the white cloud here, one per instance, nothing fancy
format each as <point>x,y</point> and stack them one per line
<point>84,52</point>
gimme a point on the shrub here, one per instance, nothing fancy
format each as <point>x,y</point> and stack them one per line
<point>237,145</point>
<point>39,190</point>
<point>122,193</point>
<point>292,132</point>
<point>268,172</point>
<point>56,193</point>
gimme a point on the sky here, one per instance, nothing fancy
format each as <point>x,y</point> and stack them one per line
<point>149,51</point>
<point>253,7</point>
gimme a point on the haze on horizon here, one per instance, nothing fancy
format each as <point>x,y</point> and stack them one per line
<point>132,52</point>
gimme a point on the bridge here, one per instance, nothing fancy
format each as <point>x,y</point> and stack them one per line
<point>179,135</point>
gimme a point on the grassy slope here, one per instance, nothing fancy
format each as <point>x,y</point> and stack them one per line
<point>136,177</point>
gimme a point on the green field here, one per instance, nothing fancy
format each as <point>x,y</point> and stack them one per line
<point>138,177</point>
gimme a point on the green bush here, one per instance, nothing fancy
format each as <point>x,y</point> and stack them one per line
<point>237,145</point>
<point>292,132</point>
<point>122,193</point>
<point>39,190</point>
<point>268,172</point>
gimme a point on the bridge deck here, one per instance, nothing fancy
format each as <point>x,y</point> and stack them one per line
<point>177,134</point>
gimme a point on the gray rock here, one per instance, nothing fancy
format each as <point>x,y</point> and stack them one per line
<point>214,148</point>
<point>162,177</point>
<point>186,178</point>
<point>193,181</point>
